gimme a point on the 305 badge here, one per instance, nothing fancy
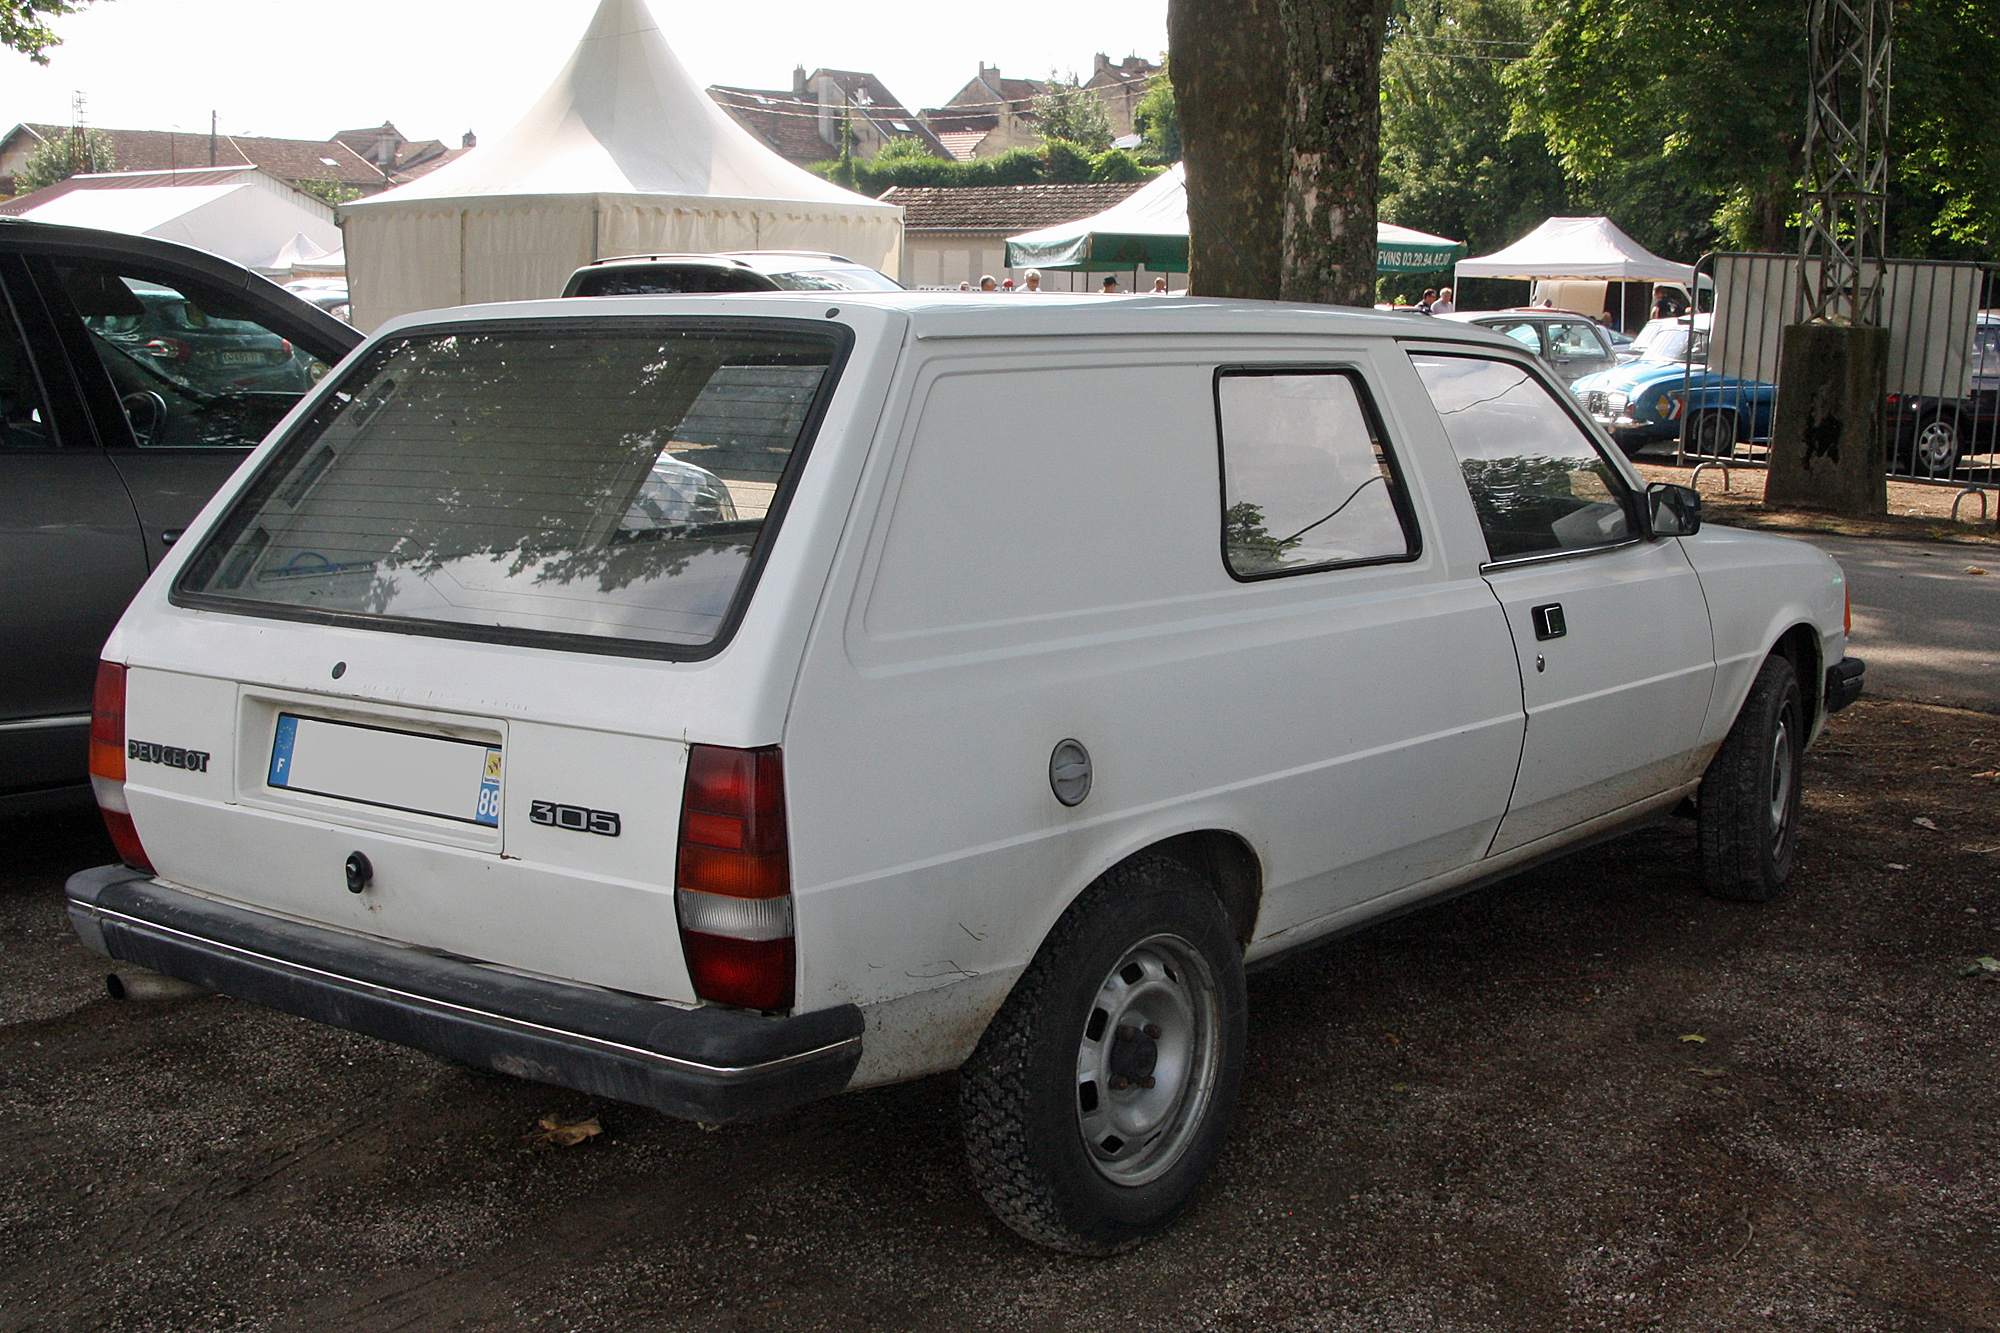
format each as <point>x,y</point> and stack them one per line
<point>575,818</point>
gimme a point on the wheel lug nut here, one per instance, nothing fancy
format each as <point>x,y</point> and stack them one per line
<point>1146,1082</point>
<point>1119,1083</point>
<point>1152,1030</point>
<point>1126,1032</point>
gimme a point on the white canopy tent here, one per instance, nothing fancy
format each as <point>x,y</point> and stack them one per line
<point>237,220</point>
<point>623,154</point>
<point>1576,249</point>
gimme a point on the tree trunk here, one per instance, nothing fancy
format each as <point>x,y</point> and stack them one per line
<point>1333,124</point>
<point>1228,72</point>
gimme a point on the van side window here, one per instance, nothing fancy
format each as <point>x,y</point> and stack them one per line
<point>1307,479</point>
<point>1538,481</point>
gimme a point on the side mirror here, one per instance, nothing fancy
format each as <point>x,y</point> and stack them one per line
<point>1673,511</point>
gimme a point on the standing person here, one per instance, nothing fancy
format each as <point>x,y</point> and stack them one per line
<point>1430,299</point>
<point>1444,305</point>
<point>986,283</point>
<point>1033,280</point>
<point>1110,286</point>
<point>1160,287</point>
<point>965,286</point>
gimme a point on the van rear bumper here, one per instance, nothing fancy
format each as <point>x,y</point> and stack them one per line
<point>704,1064</point>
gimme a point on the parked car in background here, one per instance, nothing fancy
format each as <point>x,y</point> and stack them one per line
<point>1643,402</point>
<point>1934,437</point>
<point>894,728</point>
<point>329,294</point>
<point>1571,345</point>
<point>731,271</point>
<point>135,375</point>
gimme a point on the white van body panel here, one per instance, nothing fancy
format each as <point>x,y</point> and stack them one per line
<point>966,634</point>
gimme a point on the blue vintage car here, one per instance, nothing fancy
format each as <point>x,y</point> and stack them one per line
<point>1644,402</point>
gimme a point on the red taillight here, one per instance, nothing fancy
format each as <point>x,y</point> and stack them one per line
<point>1847,615</point>
<point>733,882</point>
<point>170,349</point>
<point>107,723</point>
<point>107,764</point>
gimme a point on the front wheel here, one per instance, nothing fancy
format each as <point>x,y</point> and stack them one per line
<point>1749,803</point>
<point>1099,1095</point>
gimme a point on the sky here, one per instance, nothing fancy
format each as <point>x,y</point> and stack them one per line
<point>308,68</point>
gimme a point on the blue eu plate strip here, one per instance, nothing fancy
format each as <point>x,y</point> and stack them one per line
<point>281,751</point>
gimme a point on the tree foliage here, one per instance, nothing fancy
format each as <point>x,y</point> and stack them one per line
<point>1068,111</point>
<point>24,25</point>
<point>72,153</point>
<point>1157,120</point>
<point>1055,162</point>
<point>1454,160</point>
<point>330,191</point>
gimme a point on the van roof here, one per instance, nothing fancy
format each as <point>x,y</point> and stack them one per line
<point>988,314</point>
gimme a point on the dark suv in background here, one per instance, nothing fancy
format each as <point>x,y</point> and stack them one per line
<point>135,374</point>
<point>735,271</point>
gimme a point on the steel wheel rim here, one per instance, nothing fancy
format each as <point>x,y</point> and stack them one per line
<point>1784,772</point>
<point>1937,445</point>
<point>1155,1019</point>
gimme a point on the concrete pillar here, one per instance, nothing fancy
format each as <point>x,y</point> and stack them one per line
<point>1827,450</point>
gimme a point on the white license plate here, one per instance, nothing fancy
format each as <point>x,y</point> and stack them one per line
<point>396,770</point>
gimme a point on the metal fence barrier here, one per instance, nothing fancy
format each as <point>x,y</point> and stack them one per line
<point>1941,408</point>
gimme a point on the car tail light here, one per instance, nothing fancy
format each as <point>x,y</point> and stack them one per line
<point>107,764</point>
<point>1847,613</point>
<point>170,349</point>
<point>733,880</point>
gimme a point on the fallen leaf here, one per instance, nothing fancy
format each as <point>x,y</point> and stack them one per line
<point>567,1134</point>
<point>1694,1037</point>
<point>1989,773</point>
<point>1974,569</point>
<point>1921,822</point>
<point>1891,865</point>
<point>1988,966</point>
<point>1711,1073</point>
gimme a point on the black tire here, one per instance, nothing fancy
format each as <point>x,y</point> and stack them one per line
<point>1145,932</point>
<point>1712,434</point>
<point>1749,806</point>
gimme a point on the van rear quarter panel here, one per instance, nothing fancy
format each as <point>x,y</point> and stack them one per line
<point>1036,556</point>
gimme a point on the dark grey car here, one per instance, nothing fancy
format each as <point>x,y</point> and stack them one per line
<point>109,444</point>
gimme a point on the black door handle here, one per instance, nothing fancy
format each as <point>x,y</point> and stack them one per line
<point>1549,622</point>
<point>168,536</point>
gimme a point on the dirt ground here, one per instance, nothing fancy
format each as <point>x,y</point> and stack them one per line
<point>1590,1098</point>
<point>1916,512</point>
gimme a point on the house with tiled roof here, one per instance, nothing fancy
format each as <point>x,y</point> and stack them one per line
<point>367,160</point>
<point>804,124</point>
<point>1120,88</point>
<point>954,234</point>
<point>401,160</point>
<point>988,116</point>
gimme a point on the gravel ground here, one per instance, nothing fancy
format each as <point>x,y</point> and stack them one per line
<point>1590,1098</point>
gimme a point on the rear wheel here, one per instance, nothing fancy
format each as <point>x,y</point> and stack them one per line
<point>1936,447</point>
<point>1749,807</point>
<point>1712,434</point>
<point>1099,1095</point>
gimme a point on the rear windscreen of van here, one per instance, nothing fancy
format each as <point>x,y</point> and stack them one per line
<point>609,484</point>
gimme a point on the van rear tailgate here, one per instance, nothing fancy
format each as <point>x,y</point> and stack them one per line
<point>565,871</point>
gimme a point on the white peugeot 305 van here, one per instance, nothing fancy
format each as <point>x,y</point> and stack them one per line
<point>717,703</point>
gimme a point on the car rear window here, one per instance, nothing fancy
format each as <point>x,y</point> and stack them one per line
<point>608,485</point>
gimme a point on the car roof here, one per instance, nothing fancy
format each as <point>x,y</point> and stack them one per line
<point>320,333</point>
<point>995,314</point>
<point>755,261</point>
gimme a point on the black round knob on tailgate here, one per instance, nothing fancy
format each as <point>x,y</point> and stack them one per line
<point>359,871</point>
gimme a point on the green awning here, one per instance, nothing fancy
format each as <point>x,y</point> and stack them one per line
<point>1150,230</point>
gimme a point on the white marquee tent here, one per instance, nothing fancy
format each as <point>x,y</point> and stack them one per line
<point>623,154</point>
<point>237,219</point>
<point>1576,249</point>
